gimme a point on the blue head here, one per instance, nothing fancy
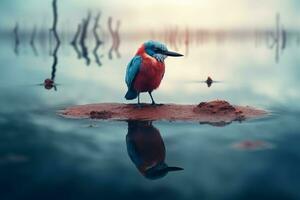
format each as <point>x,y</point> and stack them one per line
<point>158,50</point>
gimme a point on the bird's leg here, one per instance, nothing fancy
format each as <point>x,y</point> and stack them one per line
<point>153,102</point>
<point>139,99</point>
<point>139,105</point>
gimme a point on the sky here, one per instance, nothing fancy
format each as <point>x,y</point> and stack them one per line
<point>141,14</point>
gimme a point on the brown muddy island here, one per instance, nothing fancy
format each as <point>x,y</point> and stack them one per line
<point>214,112</point>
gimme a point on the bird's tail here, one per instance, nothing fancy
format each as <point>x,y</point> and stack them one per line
<point>131,94</point>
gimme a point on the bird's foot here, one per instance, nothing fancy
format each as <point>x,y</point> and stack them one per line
<point>138,105</point>
<point>156,104</point>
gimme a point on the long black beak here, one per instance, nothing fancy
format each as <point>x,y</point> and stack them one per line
<point>171,53</point>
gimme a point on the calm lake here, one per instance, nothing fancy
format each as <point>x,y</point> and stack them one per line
<point>45,156</point>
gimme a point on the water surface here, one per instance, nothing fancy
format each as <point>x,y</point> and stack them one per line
<point>44,156</point>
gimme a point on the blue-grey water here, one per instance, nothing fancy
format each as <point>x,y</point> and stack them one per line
<point>45,156</point>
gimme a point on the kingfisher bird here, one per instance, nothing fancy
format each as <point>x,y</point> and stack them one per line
<point>146,69</point>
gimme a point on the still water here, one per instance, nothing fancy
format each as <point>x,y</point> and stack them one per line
<point>45,156</point>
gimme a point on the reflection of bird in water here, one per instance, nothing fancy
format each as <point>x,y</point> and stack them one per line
<point>146,149</point>
<point>146,70</point>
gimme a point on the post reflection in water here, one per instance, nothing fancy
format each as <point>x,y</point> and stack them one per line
<point>17,39</point>
<point>146,149</point>
<point>278,38</point>
<point>32,41</point>
<point>275,38</point>
<point>74,41</point>
<point>84,33</point>
<point>115,38</point>
<point>49,83</point>
<point>97,39</point>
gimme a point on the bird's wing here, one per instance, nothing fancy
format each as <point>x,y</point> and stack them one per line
<point>132,70</point>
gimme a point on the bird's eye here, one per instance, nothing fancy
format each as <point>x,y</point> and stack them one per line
<point>156,49</point>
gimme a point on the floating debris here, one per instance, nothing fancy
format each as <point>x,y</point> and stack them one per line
<point>214,107</point>
<point>48,84</point>
<point>90,126</point>
<point>209,81</point>
<point>252,145</point>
